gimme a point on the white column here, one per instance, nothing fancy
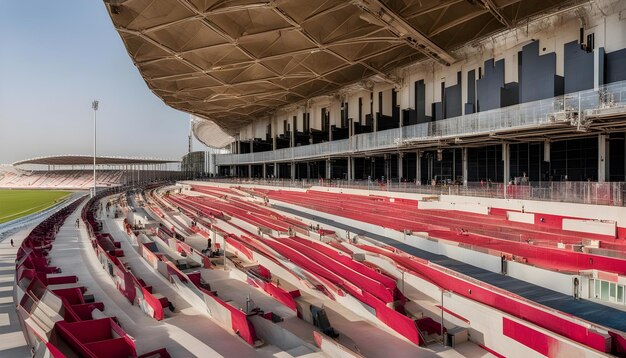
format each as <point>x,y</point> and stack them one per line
<point>598,68</point>
<point>350,175</point>
<point>602,158</point>
<point>465,166</point>
<point>275,170</point>
<point>293,170</point>
<point>292,137</point>
<point>329,168</point>
<point>249,170</point>
<point>400,169</point>
<point>264,170</point>
<point>505,164</point>
<point>418,167</point>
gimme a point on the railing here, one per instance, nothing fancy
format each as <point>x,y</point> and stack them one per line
<point>611,193</point>
<point>562,109</point>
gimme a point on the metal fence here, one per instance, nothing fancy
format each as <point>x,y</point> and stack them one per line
<point>561,109</point>
<point>611,193</point>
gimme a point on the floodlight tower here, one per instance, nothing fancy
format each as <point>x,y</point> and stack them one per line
<point>94,105</point>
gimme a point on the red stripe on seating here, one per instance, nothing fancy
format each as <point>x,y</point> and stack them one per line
<point>531,338</point>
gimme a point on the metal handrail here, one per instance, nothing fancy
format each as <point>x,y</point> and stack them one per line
<point>566,109</point>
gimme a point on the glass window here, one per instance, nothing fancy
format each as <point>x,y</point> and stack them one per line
<point>612,288</point>
<point>604,290</point>
<point>620,294</point>
<point>596,292</point>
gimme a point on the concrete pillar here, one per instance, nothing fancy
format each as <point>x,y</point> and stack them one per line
<point>598,68</point>
<point>350,169</point>
<point>264,170</point>
<point>464,166</point>
<point>506,162</point>
<point>292,137</point>
<point>418,167</point>
<point>329,168</point>
<point>351,127</point>
<point>308,170</point>
<point>293,170</point>
<point>249,170</point>
<point>602,158</point>
<point>546,151</point>
<point>275,170</point>
<point>400,166</point>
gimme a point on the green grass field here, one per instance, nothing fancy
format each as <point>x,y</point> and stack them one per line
<point>18,203</point>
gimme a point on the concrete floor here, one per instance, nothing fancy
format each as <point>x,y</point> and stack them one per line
<point>12,342</point>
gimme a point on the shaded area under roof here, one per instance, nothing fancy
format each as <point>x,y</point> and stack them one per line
<point>234,61</point>
<point>88,160</point>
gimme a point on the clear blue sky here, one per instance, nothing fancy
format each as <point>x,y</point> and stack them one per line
<point>55,58</point>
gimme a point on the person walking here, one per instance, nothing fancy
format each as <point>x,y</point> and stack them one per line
<point>12,245</point>
<point>77,222</point>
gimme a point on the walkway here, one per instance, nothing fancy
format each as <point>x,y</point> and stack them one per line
<point>187,333</point>
<point>587,310</point>
<point>12,342</point>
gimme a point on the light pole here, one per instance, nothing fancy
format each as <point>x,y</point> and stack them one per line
<point>94,105</point>
<point>448,293</point>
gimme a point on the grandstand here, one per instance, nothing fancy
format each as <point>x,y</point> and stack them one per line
<point>69,172</point>
<point>61,179</point>
<point>384,178</point>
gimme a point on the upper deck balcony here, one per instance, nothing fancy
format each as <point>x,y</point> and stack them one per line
<point>584,111</point>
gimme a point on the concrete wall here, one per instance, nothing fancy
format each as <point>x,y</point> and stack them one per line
<point>555,281</point>
<point>590,226</point>
<point>527,218</point>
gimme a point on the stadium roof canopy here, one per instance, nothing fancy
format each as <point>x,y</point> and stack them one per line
<point>237,60</point>
<point>88,160</point>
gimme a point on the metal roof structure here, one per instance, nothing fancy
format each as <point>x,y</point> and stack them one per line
<point>88,160</point>
<point>233,61</point>
<point>209,133</point>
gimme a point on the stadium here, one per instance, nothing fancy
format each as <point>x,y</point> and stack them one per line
<point>371,178</point>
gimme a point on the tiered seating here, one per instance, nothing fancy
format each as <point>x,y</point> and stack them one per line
<point>63,322</point>
<point>335,274</point>
<point>225,313</point>
<point>65,179</point>
<point>490,233</point>
<point>109,251</point>
<point>331,270</point>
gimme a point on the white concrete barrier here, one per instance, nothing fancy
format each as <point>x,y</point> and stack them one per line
<point>465,207</point>
<point>591,226</point>
<point>526,218</point>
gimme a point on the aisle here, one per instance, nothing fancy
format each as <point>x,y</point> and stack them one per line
<point>12,342</point>
<point>185,334</point>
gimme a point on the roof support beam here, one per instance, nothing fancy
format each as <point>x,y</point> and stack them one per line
<point>493,9</point>
<point>402,29</point>
<point>460,20</point>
